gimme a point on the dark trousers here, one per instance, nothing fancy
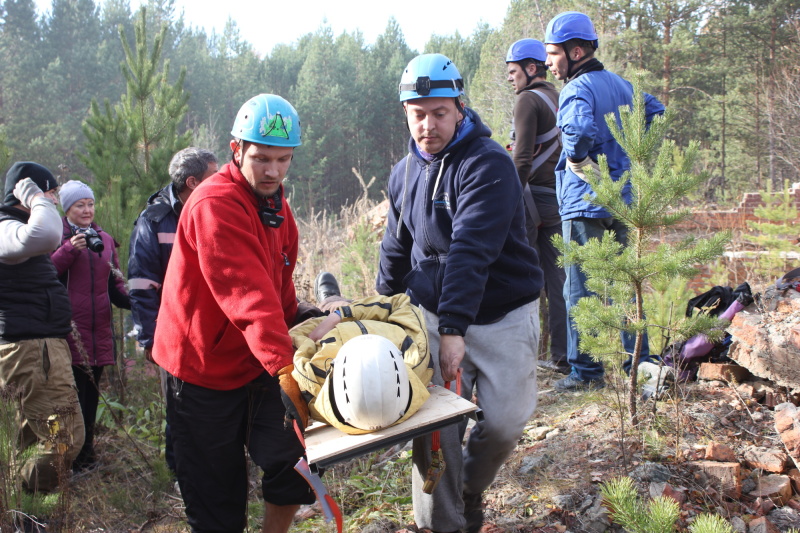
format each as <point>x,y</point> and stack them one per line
<point>211,429</point>
<point>87,379</point>
<point>542,222</point>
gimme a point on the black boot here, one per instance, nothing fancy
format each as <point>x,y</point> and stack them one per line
<point>473,512</point>
<point>325,286</point>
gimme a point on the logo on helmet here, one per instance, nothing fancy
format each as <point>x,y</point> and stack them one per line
<point>277,126</point>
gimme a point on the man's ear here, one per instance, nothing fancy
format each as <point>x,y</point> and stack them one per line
<point>460,109</point>
<point>236,147</point>
<point>577,53</point>
<point>531,69</point>
<point>192,182</point>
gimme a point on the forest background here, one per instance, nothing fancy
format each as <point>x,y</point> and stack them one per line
<point>728,68</point>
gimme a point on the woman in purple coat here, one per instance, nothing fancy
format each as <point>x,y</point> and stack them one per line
<point>87,264</point>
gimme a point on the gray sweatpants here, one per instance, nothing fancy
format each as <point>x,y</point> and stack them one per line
<point>500,364</point>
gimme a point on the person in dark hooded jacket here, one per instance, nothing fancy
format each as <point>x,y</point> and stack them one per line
<point>456,243</point>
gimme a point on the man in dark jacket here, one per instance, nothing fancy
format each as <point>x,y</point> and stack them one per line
<point>455,242</point>
<point>537,145</point>
<point>151,246</point>
<point>34,323</point>
<point>153,235</point>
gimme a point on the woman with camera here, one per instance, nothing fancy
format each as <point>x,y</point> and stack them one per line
<point>88,265</point>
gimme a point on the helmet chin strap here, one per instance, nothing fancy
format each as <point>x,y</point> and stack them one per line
<point>570,62</point>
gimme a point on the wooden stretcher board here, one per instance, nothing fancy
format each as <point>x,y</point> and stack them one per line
<point>326,445</point>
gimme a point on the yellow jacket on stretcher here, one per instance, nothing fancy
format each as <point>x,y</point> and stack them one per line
<point>393,318</point>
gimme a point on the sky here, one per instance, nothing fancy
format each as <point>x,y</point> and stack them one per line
<point>265,23</point>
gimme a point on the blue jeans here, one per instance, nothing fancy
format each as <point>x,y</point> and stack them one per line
<point>580,230</point>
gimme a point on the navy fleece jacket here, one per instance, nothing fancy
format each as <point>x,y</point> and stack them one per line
<point>461,249</point>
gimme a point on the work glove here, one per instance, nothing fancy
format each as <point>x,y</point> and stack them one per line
<point>296,406</point>
<point>579,167</point>
<point>26,191</point>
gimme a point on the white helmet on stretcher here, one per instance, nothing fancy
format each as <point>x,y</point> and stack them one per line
<point>371,389</point>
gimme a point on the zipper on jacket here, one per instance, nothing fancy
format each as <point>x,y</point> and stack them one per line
<point>428,245</point>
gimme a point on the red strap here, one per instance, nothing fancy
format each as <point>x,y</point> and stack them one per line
<point>435,444</point>
<point>299,434</point>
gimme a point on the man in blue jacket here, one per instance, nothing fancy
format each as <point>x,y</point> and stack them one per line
<point>589,94</point>
<point>151,246</point>
<point>455,242</point>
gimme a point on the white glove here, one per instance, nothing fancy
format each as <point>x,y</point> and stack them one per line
<point>579,167</point>
<point>26,191</point>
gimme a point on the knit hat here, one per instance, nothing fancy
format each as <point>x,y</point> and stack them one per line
<point>26,169</point>
<point>72,191</point>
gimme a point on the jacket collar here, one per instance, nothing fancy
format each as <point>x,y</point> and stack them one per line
<point>591,65</point>
<point>236,176</point>
<point>535,85</point>
<point>18,214</point>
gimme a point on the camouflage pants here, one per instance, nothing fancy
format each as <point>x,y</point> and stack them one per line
<point>40,370</point>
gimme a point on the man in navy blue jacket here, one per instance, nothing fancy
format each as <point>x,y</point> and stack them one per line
<point>589,94</point>
<point>456,243</point>
<point>153,234</point>
<point>151,246</point>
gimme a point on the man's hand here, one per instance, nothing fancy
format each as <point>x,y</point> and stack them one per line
<point>330,322</point>
<point>26,192</point>
<point>148,354</point>
<point>579,168</point>
<point>296,406</point>
<point>451,353</point>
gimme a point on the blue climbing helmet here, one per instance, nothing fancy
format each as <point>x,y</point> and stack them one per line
<point>268,119</point>
<point>526,49</point>
<point>430,75</point>
<point>571,25</point>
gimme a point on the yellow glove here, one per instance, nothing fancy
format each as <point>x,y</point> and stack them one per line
<point>293,401</point>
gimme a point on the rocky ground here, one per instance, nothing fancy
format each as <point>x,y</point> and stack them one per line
<point>725,444</point>
<point>711,445</point>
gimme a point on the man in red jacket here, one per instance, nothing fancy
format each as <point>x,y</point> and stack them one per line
<point>223,331</point>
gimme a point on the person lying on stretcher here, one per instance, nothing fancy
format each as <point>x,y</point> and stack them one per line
<point>366,365</point>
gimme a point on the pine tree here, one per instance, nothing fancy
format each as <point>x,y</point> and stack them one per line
<point>21,82</point>
<point>619,276</point>
<point>129,145</point>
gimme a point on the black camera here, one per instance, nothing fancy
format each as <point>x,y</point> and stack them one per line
<point>93,241</point>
